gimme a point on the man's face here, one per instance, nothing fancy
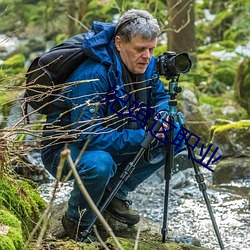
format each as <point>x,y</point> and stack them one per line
<point>137,53</point>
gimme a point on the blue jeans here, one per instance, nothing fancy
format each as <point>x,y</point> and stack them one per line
<point>99,171</point>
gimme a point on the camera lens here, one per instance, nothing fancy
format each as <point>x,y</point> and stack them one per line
<point>182,63</point>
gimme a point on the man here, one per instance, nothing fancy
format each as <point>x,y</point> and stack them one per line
<point>107,115</point>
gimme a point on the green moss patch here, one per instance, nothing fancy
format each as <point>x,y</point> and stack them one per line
<point>241,125</point>
<point>22,200</point>
<point>10,231</point>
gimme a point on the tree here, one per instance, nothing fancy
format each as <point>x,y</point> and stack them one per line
<point>181,27</point>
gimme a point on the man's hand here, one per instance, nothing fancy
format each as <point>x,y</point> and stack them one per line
<point>165,126</point>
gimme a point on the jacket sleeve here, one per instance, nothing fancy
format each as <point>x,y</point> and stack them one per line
<point>88,121</point>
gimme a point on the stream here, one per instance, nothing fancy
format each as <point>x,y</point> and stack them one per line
<point>187,212</point>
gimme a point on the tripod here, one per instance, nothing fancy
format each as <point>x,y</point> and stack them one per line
<point>169,163</point>
<point>173,90</point>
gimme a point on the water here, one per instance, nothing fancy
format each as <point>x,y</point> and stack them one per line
<point>187,212</point>
<point>188,215</point>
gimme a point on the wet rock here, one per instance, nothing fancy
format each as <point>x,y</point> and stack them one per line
<point>232,169</point>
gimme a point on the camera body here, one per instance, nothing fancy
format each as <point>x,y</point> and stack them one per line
<point>171,65</point>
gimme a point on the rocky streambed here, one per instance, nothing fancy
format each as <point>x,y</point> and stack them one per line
<point>188,215</point>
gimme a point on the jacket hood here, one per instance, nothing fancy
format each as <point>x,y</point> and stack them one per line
<point>98,43</point>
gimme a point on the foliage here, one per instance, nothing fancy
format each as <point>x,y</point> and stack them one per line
<point>242,84</point>
<point>227,21</point>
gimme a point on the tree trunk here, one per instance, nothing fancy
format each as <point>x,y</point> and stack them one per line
<point>83,8</point>
<point>71,6</point>
<point>181,27</point>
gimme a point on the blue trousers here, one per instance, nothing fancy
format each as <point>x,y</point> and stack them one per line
<point>99,171</point>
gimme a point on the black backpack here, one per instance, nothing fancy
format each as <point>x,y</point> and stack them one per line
<point>47,74</point>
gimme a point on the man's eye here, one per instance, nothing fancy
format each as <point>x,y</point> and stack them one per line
<point>139,50</point>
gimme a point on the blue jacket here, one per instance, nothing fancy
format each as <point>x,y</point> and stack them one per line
<point>95,121</point>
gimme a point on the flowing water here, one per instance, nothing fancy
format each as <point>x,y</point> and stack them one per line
<point>187,212</point>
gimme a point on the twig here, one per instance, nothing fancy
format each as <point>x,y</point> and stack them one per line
<point>99,238</point>
<point>66,154</point>
<point>137,236</point>
<point>77,21</point>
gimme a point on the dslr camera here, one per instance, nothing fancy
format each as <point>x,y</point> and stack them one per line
<point>171,65</point>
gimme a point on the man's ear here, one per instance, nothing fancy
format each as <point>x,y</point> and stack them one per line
<point>118,42</point>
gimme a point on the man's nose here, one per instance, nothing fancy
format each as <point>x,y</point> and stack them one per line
<point>146,54</point>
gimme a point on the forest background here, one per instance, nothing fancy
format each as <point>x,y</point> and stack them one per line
<point>214,33</point>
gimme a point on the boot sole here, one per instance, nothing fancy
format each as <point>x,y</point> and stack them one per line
<point>121,219</point>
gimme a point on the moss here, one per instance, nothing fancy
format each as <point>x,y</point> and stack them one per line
<point>13,239</point>
<point>17,61</point>
<point>16,237</point>
<point>214,101</point>
<point>13,65</point>
<point>128,244</point>
<point>225,75</point>
<point>6,243</point>
<point>220,131</point>
<point>9,219</point>
<point>236,125</point>
<point>21,199</point>
<point>233,138</point>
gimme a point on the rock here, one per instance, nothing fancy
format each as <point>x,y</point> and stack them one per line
<point>232,139</point>
<point>231,169</point>
<point>228,110</point>
<point>189,96</point>
<point>181,179</point>
<point>195,121</point>
<point>149,238</point>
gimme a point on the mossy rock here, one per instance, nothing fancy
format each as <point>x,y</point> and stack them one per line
<point>231,169</point>
<point>21,199</point>
<point>232,139</point>
<point>11,237</point>
<point>128,244</point>
<point>150,235</point>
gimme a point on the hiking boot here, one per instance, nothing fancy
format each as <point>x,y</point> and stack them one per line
<point>121,211</point>
<point>75,231</point>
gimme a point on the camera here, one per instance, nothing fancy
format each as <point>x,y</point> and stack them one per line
<point>171,65</point>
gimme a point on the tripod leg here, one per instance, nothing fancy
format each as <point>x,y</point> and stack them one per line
<point>168,173</point>
<point>202,186</point>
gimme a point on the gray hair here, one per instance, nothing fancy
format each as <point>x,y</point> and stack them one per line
<point>137,22</point>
